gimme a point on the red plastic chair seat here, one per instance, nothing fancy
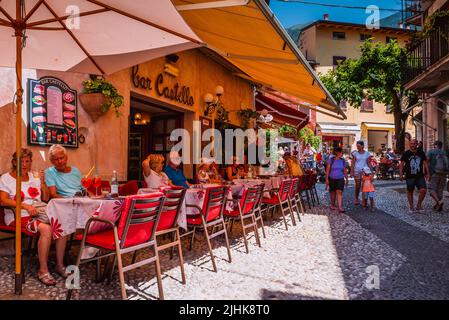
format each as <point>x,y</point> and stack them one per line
<point>271,200</point>
<point>233,213</point>
<point>104,239</point>
<point>12,227</point>
<point>194,219</point>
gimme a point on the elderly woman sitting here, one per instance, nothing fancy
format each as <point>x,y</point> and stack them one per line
<point>152,171</point>
<point>34,190</point>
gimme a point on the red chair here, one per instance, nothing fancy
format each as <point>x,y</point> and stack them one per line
<point>258,210</point>
<point>210,215</point>
<point>294,197</point>
<point>11,229</point>
<point>279,199</point>
<point>303,189</point>
<point>168,223</point>
<point>129,188</point>
<point>135,230</point>
<point>244,212</point>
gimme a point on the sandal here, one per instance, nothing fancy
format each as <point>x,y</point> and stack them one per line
<point>46,279</point>
<point>341,210</point>
<point>62,272</point>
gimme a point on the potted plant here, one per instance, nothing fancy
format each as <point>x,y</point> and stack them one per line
<point>98,96</point>
<point>247,115</point>
<point>288,131</point>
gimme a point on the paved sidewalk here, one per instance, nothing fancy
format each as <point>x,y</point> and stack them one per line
<point>326,256</point>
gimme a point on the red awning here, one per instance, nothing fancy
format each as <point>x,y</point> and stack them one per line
<point>282,113</point>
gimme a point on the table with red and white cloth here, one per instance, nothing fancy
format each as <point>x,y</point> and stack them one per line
<point>195,195</point>
<point>66,215</point>
<point>270,183</point>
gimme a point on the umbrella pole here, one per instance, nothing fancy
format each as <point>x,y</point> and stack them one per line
<point>19,94</point>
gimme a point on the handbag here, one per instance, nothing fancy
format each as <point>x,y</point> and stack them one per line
<point>41,217</point>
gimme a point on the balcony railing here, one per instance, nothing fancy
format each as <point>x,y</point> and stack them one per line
<point>427,52</point>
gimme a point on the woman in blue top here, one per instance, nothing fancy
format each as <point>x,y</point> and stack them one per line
<point>336,175</point>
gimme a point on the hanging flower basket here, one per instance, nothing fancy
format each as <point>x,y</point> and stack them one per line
<point>91,103</point>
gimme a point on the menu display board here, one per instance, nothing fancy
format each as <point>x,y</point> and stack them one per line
<point>52,113</point>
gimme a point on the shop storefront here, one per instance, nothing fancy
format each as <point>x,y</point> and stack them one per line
<point>159,96</point>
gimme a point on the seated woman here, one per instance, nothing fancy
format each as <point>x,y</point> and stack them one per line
<point>203,175</point>
<point>152,172</point>
<point>34,190</point>
<point>235,171</point>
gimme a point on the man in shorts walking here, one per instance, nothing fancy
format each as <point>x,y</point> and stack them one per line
<point>414,162</point>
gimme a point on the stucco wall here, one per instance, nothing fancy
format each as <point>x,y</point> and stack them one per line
<point>107,138</point>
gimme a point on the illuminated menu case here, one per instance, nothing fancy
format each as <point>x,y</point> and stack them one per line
<point>52,113</point>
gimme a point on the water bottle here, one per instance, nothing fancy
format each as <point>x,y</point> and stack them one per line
<point>114,184</point>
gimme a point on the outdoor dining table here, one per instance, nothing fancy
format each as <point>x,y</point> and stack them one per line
<point>195,195</point>
<point>66,215</point>
<point>270,183</point>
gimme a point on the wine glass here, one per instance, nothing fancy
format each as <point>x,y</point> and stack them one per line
<point>97,183</point>
<point>86,183</point>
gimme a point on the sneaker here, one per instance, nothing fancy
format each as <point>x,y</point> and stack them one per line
<point>435,207</point>
<point>440,207</point>
<point>411,211</point>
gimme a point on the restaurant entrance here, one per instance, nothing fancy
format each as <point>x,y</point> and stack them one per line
<point>150,126</point>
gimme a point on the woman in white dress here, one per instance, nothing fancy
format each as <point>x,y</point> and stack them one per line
<point>152,172</point>
<point>34,191</point>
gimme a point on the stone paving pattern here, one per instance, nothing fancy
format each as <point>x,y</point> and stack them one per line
<point>326,256</point>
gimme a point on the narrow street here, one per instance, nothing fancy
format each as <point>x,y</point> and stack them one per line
<point>326,256</point>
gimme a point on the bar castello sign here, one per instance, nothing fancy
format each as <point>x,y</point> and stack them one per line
<point>176,93</point>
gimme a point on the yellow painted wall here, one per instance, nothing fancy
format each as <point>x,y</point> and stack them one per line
<point>326,47</point>
<point>319,43</point>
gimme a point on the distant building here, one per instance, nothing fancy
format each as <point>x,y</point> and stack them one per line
<point>325,44</point>
<point>426,70</point>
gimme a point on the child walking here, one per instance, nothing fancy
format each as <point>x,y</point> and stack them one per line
<point>368,188</point>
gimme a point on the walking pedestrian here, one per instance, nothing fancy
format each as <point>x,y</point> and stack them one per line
<point>368,188</point>
<point>414,162</point>
<point>438,169</point>
<point>336,176</point>
<point>360,159</point>
<point>309,155</point>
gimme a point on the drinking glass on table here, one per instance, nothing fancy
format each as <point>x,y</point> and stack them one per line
<point>97,184</point>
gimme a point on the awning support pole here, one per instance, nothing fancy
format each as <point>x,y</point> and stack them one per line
<point>19,99</point>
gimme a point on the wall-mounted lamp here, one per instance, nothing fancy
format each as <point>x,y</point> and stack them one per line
<point>212,104</point>
<point>170,67</point>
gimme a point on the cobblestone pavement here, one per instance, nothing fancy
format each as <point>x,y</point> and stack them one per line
<point>326,256</point>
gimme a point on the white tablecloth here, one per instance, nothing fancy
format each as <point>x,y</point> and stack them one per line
<point>195,196</point>
<point>271,183</point>
<point>68,214</point>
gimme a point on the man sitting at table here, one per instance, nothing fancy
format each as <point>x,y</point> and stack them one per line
<point>63,181</point>
<point>173,172</point>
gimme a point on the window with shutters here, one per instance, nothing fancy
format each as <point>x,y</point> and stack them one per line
<point>367,106</point>
<point>343,105</point>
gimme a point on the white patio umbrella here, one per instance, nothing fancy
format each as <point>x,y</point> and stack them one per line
<point>88,36</point>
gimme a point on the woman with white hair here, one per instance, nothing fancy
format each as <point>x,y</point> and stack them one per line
<point>203,175</point>
<point>152,172</point>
